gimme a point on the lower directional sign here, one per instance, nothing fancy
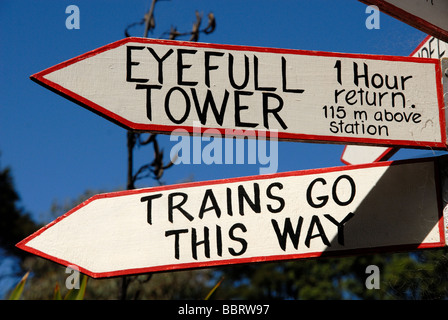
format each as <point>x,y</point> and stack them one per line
<point>385,206</point>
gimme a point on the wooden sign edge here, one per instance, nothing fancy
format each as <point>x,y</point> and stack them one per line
<point>23,244</point>
<point>282,136</point>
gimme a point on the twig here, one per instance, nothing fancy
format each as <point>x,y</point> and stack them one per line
<point>149,19</point>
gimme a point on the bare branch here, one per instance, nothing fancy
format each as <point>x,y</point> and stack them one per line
<point>196,26</point>
<point>126,31</point>
<point>150,139</point>
<point>150,22</point>
<point>157,167</point>
<point>174,33</point>
<point>170,164</point>
<point>211,24</point>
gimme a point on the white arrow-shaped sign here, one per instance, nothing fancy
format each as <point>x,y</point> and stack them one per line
<point>385,206</point>
<point>357,154</point>
<point>160,86</point>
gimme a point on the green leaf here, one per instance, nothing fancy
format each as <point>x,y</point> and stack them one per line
<point>77,294</point>
<point>17,292</point>
<point>57,293</point>
<point>214,289</point>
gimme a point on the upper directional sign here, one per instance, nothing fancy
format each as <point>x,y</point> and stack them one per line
<point>159,86</point>
<point>384,206</point>
<point>429,16</point>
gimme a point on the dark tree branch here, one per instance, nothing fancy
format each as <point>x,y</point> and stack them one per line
<point>157,167</point>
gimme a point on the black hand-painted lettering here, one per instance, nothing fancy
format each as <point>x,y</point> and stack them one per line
<point>187,105</point>
<point>178,206</point>
<point>208,67</point>
<point>244,197</point>
<point>176,234</point>
<point>181,66</point>
<point>229,201</point>
<point>218,241</point>
<point>315,221</point>
<point>148,210</point>
<point>243,242</point>
<point>257,87</point>
<point>195,243</point>
<point>284,79</point>
<point>337,66</point>
<point>357,76</point>
<point>280,200</point>
<point>160,61</point>
<point>231,73</point>
<point>239,108</point>
<point>209,101</point>
<point>130,63</point>
<point>340,225</point>
<point>214,204</point>
<point>288,231</point>
<point>323,199</point>
<point>352,190</point>
<point>274,112</point>
<point>148,88</point>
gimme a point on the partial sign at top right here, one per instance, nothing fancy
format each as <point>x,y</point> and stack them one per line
<point>429,16</point>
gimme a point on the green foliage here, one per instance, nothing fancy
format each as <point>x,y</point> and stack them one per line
<point>72,294</point>
<point>214,289</point>
<point>17,292</point>
<point>406,275</point>
<point>189,284</point>
<point>77,294</point>
<point>15,224</point>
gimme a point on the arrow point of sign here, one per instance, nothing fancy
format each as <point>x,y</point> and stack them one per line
<point>65,78</point>
<point>24,245</point>
<point>109,234</point>
<point>99,238</point>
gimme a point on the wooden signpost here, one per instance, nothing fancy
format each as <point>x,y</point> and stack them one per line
<point>385,206</point>
<point>429,16</point>
<point>159,85</point>
<point>430,47</point>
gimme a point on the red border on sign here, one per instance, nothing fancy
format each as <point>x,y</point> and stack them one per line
<point>409,18</point>
<point>167,129</point>
<point>441,243</point>
<point>421,45</point>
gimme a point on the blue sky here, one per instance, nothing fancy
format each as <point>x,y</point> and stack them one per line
<point>57,149</point>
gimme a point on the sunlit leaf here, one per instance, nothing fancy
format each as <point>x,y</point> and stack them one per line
<point>214,289</point>
<point>57,293</point>
<point>77,294</point>
<point>17,292</point>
